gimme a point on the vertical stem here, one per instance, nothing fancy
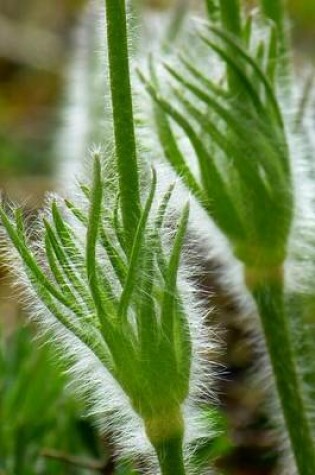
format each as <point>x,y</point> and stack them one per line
<point>231,21</point>
<point>267,291</point>
<point>165,431</point>
<point>275,10</point>
<point>212,8</point>
<point>170,455</point>
<point>125,143</point>
<point>231,16</point>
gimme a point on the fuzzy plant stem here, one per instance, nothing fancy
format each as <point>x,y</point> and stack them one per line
<point>170,455</point>
<point>275,10</point>
<point>267,290</point>
<point>231,16</point>
<point>212,9</point>
<point>125,144</point>
<point>166,434</point>
<point>231,21</point>
<point>168,447</point>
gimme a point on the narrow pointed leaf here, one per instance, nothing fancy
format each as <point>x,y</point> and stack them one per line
<point>113,253</point>
<point>133,265</point>
<point>227,218</point>
<point>169,299</point>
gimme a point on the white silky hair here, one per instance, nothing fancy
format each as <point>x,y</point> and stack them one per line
<point>108,405</point>
<point>299,265</point>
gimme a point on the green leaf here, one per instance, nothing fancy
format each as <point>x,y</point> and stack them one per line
<point>92,235</point>
<point>245,86</point>
<point>227,217</point>
<point>243,55</point>
<point>133,265</point>
<point>116,260</point>
<point>169,298</point>
<point>69,269</point>
<point>47,292</point>
<point>238,120</point>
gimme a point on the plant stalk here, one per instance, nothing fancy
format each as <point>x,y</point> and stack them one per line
<point>232,23</point>
<point>212,9</point>
<point>267,290</point>
<point>275,10</point>
<point>231,16</point>
<point>125,143</point>
<point>170,455</point>
<point>166,433</point>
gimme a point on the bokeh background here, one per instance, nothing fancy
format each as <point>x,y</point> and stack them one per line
<point>42,429</point>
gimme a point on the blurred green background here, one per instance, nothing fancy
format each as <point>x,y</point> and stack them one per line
<point>42,429</point>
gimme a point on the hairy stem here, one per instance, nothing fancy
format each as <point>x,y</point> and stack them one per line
<point>212,8</point>
<point>275,10</point>
<point>231,22</point>
<point>166,433</point>
<point>267,290</point>
<point>125,143</point>
<point>170,455</point>
<point>231,16</point>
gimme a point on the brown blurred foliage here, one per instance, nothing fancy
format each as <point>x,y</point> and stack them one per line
<point>34,42</point>
<point>35,37</point>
